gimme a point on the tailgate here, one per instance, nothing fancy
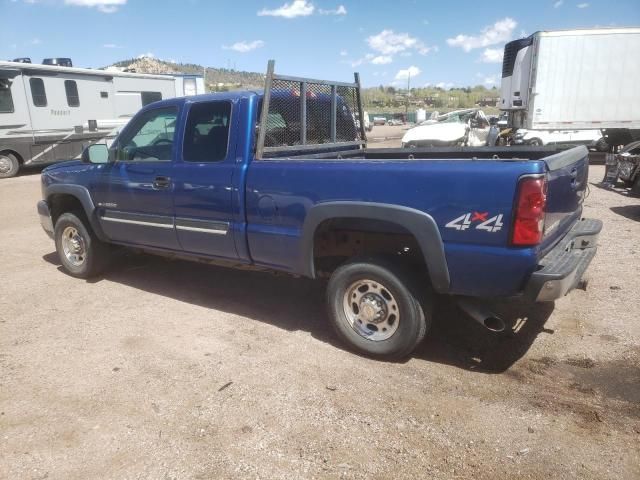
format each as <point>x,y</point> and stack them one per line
<point>567,175</point>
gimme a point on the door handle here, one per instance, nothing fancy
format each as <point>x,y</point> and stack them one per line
<point>161,182</point>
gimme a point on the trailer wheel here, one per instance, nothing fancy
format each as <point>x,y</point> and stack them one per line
<point>602,145</point>
<point>9,165</point>
<point>377,308</point>
<point>635,187</point>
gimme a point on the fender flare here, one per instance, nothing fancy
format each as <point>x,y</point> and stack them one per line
<point>420,224</point>
<point>83,195</point>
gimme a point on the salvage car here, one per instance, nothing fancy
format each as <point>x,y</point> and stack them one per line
<point>628,167</point>
<point>391,229</point>
<point>469,127</point>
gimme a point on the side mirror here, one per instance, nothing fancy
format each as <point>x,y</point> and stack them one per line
<point>97,153</point>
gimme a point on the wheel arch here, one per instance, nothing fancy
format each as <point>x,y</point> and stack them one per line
<point>419,224</point>
<point>4,151</point>
<point>62,198</point>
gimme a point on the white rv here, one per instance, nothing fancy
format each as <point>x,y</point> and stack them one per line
<point>49,113</point>
<point>574,80</point>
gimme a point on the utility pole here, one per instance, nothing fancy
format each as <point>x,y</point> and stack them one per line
<point>204,78</point>
<point>406,104</point>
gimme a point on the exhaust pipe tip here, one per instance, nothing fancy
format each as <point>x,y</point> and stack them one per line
<point>478,312</point>
<point>495,324</point>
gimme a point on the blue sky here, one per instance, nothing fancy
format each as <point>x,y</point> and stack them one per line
<point>442,43</point>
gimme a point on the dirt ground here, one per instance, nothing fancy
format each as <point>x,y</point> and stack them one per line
<point>171,370</point>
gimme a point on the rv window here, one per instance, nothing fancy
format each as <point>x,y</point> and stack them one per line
<point>150,97</point>
<point>207,133</point>
<point>71,87</point>
<point>104,94</point>
<point>6,101</point>
<point>38,94</point>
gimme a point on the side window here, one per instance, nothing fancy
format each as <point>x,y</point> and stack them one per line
<point>38,94</point>
<point>150,97</point>
<point>71,89</point>
<point>6,100</point>
<point>206,136</point>
<point>151,137</point>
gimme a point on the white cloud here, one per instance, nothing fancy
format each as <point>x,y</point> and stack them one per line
<point>340,10</point>
<point>499,32</point>
<point>388,43</point>
<point>381,60</point>
<point>244,47</point>
<point>492,55</point>
<point>558,3</point>
<point>112,45</point>
<point>105,6</point>
<point>297,8</point>
<point>582,5</point>
<point>343,53</point>
<point>412,72</point>
<point>35,41</point>
<point>146,55</point>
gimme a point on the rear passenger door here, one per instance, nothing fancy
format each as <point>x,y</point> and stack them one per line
<point>203,192</point>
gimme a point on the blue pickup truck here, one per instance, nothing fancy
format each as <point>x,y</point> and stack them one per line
<point>282,180</point>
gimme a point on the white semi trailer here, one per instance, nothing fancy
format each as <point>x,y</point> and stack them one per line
<point>574,80</point>
<point>49,113</point>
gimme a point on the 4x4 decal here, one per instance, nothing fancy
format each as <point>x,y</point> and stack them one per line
<point>463,222</point>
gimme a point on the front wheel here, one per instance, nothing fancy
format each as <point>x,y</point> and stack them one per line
<point>374,307</point>
<point>9,165</point>
<point>81,253</point>
<point>535,142</point>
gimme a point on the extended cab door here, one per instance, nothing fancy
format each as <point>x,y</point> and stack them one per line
<point>134,194</point>
<point>203,175</point>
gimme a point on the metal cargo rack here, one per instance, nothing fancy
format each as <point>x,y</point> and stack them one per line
<point>334,105</point>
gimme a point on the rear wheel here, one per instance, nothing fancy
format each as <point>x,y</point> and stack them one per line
<point>9,165</point>
<point>536,142</point>
<point>81,253</point>
<point>374,307</point>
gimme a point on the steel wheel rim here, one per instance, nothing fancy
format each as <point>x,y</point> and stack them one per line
<point>5,164</point>
<point>371,310</point>
<point>73,246</point>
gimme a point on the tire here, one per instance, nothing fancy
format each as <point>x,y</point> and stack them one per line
<point>9,165</point>
<point>535,142</point>
<point>81,253</point>
<point>635,187</point>
<point>602,145</point>
<point>387,319</point>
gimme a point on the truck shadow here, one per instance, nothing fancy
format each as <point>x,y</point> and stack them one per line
<point>298,304</point>
<point>455,339</point>
<point>632,212</point>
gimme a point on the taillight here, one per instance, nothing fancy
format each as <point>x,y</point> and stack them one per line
<point>528,223</point>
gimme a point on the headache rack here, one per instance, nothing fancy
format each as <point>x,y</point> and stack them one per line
<point>304,114</point>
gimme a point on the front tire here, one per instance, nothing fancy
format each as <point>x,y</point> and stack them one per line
<point>81,253</point>
<point>374,307</point>
<point>9,165</point>
<point>535,142</point>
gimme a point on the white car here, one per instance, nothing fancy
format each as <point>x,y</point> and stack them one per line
<point>590,138</point>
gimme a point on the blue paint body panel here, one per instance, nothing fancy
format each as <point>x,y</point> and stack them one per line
<point>265,203</point>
